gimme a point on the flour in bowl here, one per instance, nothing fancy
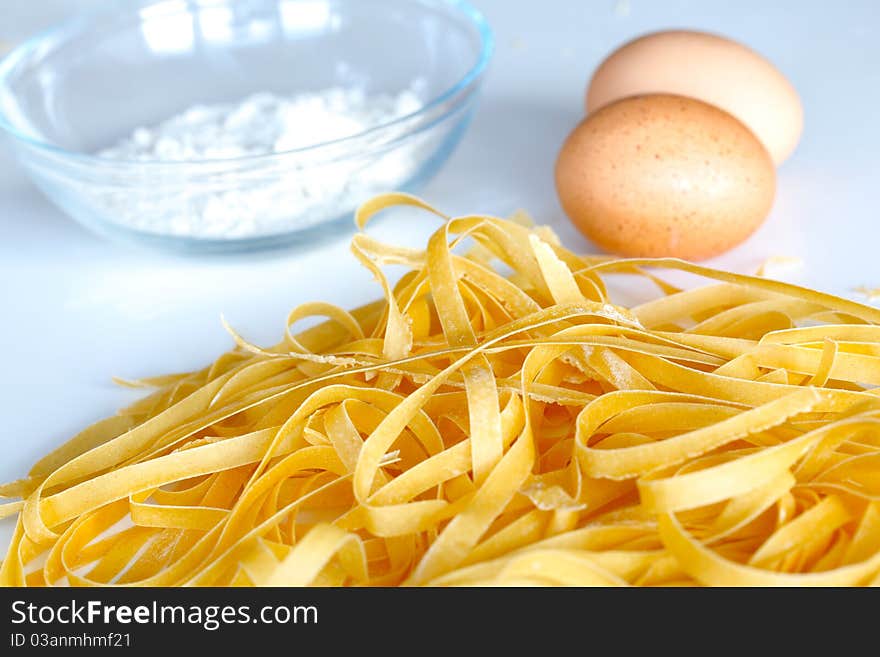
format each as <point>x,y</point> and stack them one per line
<point>236,197</point>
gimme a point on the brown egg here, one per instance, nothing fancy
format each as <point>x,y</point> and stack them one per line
<point>712,69</point>
<point>663,175</point>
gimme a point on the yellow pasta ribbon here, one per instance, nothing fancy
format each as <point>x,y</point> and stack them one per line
<point>496,418</point>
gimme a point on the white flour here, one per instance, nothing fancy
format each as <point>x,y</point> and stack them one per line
<point>291,195</point>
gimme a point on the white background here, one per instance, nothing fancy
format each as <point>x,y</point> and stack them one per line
<point>76,310</point>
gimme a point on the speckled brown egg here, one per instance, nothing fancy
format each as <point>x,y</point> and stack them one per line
<point>663,175</point>
<point>710,68</point>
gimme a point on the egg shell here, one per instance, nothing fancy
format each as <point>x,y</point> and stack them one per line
<point>710,68</point>
<point>662,175</point>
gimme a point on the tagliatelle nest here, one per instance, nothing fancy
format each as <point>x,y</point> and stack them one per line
<point>479,428</point>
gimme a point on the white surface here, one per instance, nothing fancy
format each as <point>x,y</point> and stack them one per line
<point>77,310</point>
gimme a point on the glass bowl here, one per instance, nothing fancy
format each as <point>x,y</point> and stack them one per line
<point>70,93</point>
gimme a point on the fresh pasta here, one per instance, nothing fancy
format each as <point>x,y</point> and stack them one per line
<point>497,418</point>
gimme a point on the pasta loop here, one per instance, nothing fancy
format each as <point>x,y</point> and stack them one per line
<point>499,417</point>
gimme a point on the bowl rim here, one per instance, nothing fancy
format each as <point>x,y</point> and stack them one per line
<point>61,31</point>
